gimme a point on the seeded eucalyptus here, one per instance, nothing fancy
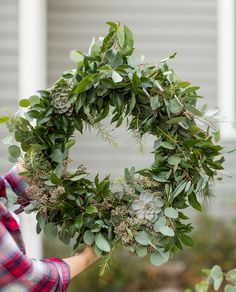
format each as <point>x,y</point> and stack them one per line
<point>145,212</point>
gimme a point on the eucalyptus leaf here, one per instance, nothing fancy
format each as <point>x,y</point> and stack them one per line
<point>102,243</point>
<point>142,238</point>
<point>88,237</point>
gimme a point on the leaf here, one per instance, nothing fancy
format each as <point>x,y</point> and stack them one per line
<point>91,210</point>
<point>14,151</point>
<point>187,240</point>
<point>202,286</point>
<point>11,196</point>
<point>102,243</point>
<point>4,119</point>
<point>174,160</point>
<point>167,145</point>
<point>88,237</point>
<point>230,288</point>
<point>82,85</point>
<point>135,60</point>
<point>155,102</point>
<point>79,221</point>
<point>141,251</point>
<point>161,221</point>
<point>192,199</point>
<point>171,213</point>
<point>57,155</point>
<point>116,77</point>
<point>50,230</point>
<point>175,106</point>
<point>24,102</point>
<point>34,99</point>
<point>76,56</point>
<point>142,238</point>
<point>165,230</point>
<point>217,276</point>
<point>121,36</point>
<point>193,110</point>
<point>54,179</point>
<point>159,259</point>
<point>175,120</point>
<point>231,276</point>
<point>179,189</point>
<point>79,177</point>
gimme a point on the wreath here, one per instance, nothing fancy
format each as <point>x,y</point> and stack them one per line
<point>145,210</point>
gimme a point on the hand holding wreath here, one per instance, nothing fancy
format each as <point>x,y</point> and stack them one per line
<point>145,213</point>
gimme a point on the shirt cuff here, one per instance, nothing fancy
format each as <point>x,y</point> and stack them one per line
<point>63,270</point>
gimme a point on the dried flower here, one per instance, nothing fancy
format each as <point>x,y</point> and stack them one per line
<point>147,206</point>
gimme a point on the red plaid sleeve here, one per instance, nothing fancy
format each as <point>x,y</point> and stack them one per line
<point>19,273</point>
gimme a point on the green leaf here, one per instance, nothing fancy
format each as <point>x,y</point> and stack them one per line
<point>79,177</point>
<point>42,219</point>
<point>217,276</point>
<point>230,288</point>
<point>159,259</point>
<point>14,151</point>
<point>34,99</point>
<point>202,286</point>
<point>76,56</point>
<point>116,77</point>
<point>88,237</point>
<point>141,251</point>
<point>91,210</point>
<point>179,189</point>
<point>193,110</point>
<point>155,102</point>
<point>50,230</point>
<point>121,36</point>
<point>54,179</point>
<point>11,196</point>
<point>142,238</point>
<point>171,213</point>
<point>167,145</point>
<point>187,240</point>
<point>174,160</point>
<point>82,85</point>
<point>79,221</point>
<point>135,60</point>
<point>102,243</point>
<point>161,221</point>
<point>194,202</point>
<point>175,106</point>
<point>165,230</point>
<point>175,120</point>
<point>4,119</point>
<point>231,276</point>
<point>24,102</point>
<point>57,155</point>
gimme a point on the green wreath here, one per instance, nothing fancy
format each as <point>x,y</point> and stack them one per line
<point>145,211</point>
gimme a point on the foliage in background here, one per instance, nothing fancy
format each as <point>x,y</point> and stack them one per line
<point>144,213</point>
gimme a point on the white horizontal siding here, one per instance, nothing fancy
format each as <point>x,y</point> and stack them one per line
<point>8,68</point>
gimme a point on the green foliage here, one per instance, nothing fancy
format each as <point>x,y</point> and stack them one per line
<point>112,82</point>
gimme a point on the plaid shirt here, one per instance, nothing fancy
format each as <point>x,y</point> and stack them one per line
<point>18,272</point>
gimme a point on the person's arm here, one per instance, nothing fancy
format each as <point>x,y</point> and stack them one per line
<point>18,270</point>
<point>81,261</point>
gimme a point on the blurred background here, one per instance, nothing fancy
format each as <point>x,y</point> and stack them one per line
<point>35,40</point>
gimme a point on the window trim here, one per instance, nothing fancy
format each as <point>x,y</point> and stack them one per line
<point>226,68</point>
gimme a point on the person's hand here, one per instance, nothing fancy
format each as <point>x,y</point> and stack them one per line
<point>81,261</point>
